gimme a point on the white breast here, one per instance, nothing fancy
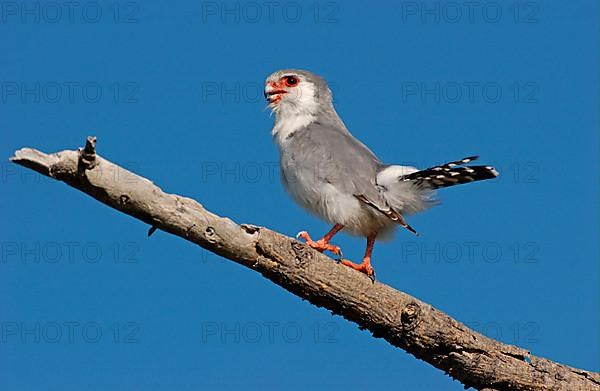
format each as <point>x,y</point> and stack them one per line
<point>330,204</point>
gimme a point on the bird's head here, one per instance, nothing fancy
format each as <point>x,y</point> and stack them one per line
<point>297,92</point>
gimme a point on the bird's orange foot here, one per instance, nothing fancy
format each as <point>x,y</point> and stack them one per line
<point>365,267</point>
<point>319,245</point>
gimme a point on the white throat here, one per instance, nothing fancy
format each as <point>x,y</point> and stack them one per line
<point>288,123</point>
<point>297,110</point>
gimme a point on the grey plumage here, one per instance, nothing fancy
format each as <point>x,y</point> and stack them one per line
<point>325,180</point>
<point>333,175</point>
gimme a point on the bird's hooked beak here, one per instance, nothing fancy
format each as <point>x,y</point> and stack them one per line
<point>274,91</point>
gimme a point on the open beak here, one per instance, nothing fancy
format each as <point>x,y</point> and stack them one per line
<point>273,92</point>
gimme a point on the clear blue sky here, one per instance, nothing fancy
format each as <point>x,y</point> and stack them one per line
<point>88,302</point>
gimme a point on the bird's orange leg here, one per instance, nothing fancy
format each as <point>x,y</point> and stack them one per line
<point>323,244</point>
<point>365,266</point>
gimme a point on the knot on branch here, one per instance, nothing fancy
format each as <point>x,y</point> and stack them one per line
<point>124,199</point>
<point>211,235</point>
<point>301,252</point>
<point>250,229</point>
<point>87,155</point>
<point>410,316</point>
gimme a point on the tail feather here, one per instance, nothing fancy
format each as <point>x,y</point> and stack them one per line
<point>408,190</point>
<point>450,174</point>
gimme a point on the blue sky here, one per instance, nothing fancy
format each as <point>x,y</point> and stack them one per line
<point>172,91</point>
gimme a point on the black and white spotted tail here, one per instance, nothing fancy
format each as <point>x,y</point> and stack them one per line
<point>450,174</point>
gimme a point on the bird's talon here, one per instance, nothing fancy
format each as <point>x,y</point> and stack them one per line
<point>372,277</point>
<point>364,268</point>
<point>334,249</point>
<point>301,234</point>
<point>319,245</point>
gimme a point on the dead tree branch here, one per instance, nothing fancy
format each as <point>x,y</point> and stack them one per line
<point>402,320</point>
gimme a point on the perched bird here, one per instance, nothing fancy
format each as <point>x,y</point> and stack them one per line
<point>333,175</point>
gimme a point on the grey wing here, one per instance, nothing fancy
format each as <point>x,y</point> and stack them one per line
<point>333,156</point>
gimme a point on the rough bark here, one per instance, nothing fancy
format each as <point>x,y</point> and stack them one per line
<point>404,321</point>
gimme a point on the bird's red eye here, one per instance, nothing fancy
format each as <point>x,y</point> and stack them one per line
<point>290,81</point>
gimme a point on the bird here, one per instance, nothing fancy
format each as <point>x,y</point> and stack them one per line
<point>334,176</point>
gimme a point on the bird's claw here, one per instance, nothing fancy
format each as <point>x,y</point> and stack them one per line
<point>319,245</point>
<point>334,249</point>
<point>364,268</point>
<point>372,277</point>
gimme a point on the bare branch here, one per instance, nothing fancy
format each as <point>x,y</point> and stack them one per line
<point>402,320</point>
